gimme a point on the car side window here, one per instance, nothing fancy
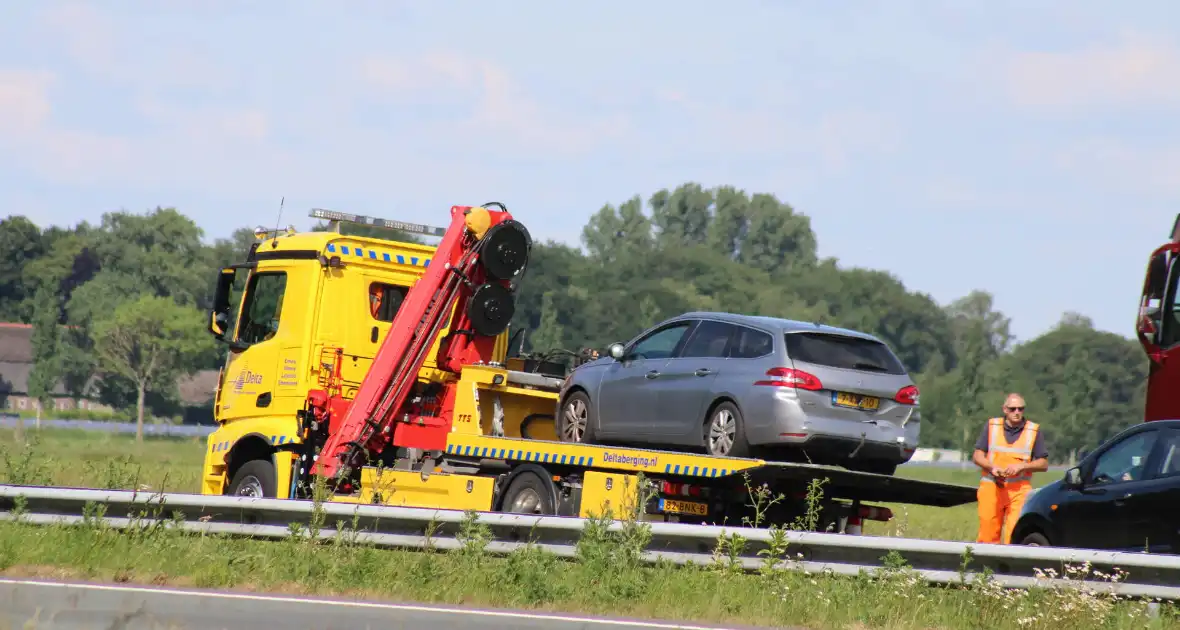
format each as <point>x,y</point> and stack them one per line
<point>660,344</point>
<point>710,339</point>
<point>1124,461</point>
<point>751,344</point>
<point>1169,455</point>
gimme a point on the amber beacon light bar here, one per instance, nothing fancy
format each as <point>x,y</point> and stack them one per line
<point>360,219</point>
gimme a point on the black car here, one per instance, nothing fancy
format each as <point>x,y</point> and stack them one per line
<point>1121,497</point>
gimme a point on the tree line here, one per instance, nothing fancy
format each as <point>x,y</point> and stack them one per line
<point>87,288</point>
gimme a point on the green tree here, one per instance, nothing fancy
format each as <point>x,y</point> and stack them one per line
<point>20,242</point>
<point>47,366</point>
<point>149,341</point>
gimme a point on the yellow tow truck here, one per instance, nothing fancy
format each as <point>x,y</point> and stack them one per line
<point>303,337</point>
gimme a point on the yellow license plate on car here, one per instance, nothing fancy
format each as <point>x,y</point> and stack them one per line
<point>855,401</point>
<point>672,506</point>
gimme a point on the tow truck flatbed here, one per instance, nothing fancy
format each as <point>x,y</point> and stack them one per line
<point>656,464</point>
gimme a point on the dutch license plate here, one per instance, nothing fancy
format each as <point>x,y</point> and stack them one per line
<point>855,401</point>
<point>673,506</point>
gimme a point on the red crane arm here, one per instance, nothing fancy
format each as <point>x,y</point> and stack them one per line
<point>478,245</point>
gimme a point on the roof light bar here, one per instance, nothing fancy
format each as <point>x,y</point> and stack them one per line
<point>415,228</point>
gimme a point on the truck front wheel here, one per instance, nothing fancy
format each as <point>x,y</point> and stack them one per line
<point>256,478</point>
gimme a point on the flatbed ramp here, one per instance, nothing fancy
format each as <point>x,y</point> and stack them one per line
<point>863,486</point>
<point>719,471</point>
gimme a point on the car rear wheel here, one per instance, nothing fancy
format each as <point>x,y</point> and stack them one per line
<point>1035,539</point>
<point>573,425</point>
<point>725,432</point>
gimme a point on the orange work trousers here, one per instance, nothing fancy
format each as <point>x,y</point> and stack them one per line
<point>999,507</point>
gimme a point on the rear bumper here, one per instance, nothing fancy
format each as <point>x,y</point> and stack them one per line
<point>827,449</point>
<point>780,422</point>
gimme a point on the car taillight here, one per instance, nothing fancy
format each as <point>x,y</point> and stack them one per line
<point>680,489</point>
<point>788,377</point>
<point>907,395</point>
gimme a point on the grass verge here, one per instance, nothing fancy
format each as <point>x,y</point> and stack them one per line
<point>607,577</point>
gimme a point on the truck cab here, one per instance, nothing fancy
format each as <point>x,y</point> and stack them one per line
<point>1158,328</point>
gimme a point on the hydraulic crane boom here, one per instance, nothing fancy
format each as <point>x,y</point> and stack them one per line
<point>471,272</point>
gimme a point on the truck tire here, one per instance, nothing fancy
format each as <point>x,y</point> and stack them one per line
<point>725,432</point>
<point>529,494</point>
<point>573,424</point>
<point>256,478</point>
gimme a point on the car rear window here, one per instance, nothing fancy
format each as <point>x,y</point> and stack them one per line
<point>840,351</point>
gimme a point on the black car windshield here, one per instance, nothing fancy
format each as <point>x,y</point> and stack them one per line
<point>843,351</point>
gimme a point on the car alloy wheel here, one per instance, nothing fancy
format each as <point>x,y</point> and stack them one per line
<point>574,427</point>
<point>722,430</point>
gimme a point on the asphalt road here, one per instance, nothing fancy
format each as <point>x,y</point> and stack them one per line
<point>41,605</point>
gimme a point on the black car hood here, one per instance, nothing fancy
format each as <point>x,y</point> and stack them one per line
<point>1043,497</point>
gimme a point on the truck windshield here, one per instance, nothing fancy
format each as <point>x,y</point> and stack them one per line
<point>842,351</point>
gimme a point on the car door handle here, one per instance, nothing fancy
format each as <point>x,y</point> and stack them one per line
<point>652,374</point>
<point>703,372</point>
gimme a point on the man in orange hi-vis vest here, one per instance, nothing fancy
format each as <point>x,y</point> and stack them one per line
<point>1009,450</point>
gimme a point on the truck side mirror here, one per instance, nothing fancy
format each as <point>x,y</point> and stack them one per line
<point>616,351</point>
<point>219,320</point>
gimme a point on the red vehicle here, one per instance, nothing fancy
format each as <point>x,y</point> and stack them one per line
<point>1158,328</point>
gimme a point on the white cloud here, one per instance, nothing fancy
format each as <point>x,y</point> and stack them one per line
<point>27,131</point>
<point>105,49</point>
<point>199,124</point>
<point>1136,69</point>
<point>24,100</point>
<point>495,104</point>
<point>1120,166</point>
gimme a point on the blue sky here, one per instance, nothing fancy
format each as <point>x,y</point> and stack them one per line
<point>1031,149</point>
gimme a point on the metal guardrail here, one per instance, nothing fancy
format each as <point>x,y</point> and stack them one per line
<point>113,426</point>
<point>946,562</point>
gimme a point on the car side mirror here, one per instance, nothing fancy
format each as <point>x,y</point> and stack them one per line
<point>1073,478</point>
<point>616,351</point>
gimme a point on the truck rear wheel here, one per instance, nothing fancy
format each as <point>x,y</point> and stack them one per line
<point>256,478</point>
<point>529,494</point>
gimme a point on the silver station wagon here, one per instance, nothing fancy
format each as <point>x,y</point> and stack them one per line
<point>743,386</point>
